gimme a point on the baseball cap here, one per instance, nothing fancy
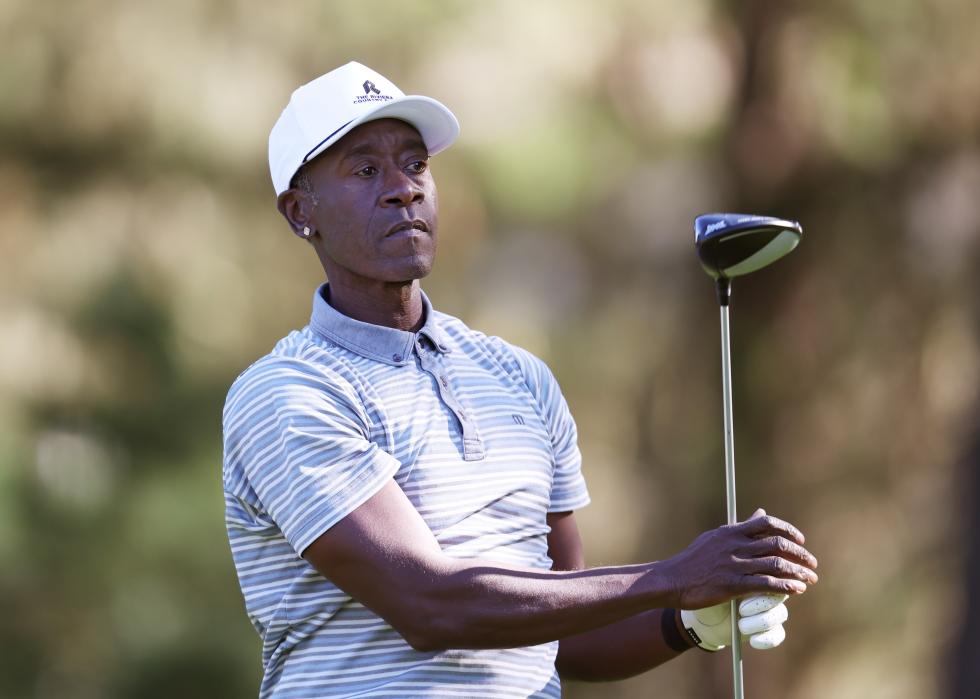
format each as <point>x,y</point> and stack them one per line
<point>322,111</point>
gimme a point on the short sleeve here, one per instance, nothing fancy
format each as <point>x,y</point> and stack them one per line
<point>568,489</point>
<point>299,438</point>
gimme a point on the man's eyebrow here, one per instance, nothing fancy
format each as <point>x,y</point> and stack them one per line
<point>368,148</point>
<point>417,144</point>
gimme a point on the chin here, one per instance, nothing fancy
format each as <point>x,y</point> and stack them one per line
<point>411,270</point>
<point>412,275</point>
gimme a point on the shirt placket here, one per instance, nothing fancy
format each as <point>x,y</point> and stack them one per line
<point>433,363</point>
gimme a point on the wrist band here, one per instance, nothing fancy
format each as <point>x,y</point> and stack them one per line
<point>668,629</point>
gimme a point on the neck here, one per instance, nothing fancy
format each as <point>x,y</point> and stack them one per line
<point>391,304</point>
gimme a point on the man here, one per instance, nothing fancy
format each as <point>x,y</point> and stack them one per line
<point>401,489</point>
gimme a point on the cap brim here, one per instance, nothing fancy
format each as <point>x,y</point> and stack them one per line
<point>433,120</point>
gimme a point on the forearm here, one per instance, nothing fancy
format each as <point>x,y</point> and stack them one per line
<point>384,555</point>
<point>490,606</point>
<point>619,650</point>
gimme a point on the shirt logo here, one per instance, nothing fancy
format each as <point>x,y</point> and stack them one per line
<point>518,420</point>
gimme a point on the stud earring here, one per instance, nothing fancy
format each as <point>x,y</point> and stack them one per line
<point>306,232</point>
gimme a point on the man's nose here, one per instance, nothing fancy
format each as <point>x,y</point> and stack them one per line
<point>401,190</point>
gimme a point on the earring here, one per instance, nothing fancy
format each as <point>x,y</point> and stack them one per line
<point>306,232</point>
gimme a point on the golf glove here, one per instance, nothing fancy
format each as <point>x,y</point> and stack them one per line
<point>761,618</point>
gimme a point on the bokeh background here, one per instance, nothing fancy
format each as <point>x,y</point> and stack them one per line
<point>143,266</point>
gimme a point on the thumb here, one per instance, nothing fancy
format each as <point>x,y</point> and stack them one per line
<point>712,616</point>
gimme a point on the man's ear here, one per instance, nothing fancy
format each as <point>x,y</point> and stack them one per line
<point>296,206</point>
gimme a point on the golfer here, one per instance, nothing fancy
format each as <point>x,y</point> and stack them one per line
<point>400,489</point>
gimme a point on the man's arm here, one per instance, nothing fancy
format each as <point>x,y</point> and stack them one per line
<point>385,556</point>
<point>619,650</point>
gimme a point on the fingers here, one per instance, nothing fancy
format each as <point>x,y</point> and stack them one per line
<point>767,525</point>
<point>759,603</point>
<point>762,619</point>
<point>782,547</point>
<point>771,584</point>
<point>758,623</point>
<point>781,568</point>
<point>768,639</point>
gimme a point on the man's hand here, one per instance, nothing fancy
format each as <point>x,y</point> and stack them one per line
<point>761,619</point>
<point>763,554</point>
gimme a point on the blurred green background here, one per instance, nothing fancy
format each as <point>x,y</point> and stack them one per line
<point>144,266</point>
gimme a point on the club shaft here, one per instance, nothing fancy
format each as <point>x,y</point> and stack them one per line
<point>726,390</point>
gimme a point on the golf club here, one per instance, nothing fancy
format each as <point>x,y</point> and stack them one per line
<point>732,245</point>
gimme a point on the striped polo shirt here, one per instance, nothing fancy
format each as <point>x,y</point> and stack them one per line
<point>476,433</point>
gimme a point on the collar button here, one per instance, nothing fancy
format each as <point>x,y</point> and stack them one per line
<point>396,357</point>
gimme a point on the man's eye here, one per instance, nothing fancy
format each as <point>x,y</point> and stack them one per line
<point>418,167</point>
<point>369,171</point>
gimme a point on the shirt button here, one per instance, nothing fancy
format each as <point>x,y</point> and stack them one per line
<point>397,357</point>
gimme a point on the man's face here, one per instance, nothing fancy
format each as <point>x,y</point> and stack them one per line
<point>375,205</point>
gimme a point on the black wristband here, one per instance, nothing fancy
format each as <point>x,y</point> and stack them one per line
<point>668,629</point>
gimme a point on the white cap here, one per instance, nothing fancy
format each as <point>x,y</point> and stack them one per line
<point>321,112</point>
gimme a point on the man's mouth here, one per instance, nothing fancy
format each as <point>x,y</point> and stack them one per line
<point>408,228</point>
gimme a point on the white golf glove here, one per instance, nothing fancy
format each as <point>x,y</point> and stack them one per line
<point>761,618</point>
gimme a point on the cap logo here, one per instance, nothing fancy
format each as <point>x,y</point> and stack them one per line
<point>371,94</point>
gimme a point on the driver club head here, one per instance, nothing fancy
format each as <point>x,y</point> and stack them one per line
<point>730,245</point>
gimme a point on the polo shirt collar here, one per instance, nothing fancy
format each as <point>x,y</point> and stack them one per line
<point>388,345</point>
